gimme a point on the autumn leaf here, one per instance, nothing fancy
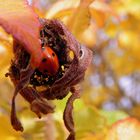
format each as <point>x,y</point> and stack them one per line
<point>5,51</point>
<point>127,129</point>
<point>84,113</point>
<point>75,14</point>
<point>6,131</point>
<point>113,116</point>
<point>130,6</point>
<point>62,8</point>
<point>81,21</point>
<point>18,19</point>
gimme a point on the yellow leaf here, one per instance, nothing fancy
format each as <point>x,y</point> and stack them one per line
<point>129,7</point>
<point>80,19</point>
<point>93,136</point>
<point>5,52</point>
<point>61,6</point>
<point>75,14</point>
<point>129,41</point>
<point>82,116</point>
<point>99,11</point>
<point>6,131</point>
<point>88,37</point>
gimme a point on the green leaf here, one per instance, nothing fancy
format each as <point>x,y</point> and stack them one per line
<point>113,116</point>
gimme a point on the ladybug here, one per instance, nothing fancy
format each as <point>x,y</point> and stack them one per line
<point>49,63</point>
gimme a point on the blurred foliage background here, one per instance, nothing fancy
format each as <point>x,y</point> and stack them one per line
<point>111,89</point>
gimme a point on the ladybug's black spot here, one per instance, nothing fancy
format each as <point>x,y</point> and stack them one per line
<point>53,54</point>
<point>45,71</point>
<point>44,60</point>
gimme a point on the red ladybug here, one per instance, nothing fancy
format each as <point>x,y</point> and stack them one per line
<point>49,63</point>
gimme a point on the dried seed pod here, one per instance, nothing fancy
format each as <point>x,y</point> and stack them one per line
<point>36,86</point>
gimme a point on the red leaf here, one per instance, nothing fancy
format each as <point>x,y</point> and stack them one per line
<point>18,19</point>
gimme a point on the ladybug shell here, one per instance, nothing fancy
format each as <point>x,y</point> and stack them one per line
<point>49,63</point>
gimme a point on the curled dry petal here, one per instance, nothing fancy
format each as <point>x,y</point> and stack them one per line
<point>68,118</point>
<point>43,106</point>
<point>76,71</point>
<point>14,120</point>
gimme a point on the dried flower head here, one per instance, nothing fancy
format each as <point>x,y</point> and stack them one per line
<point>38,87</point>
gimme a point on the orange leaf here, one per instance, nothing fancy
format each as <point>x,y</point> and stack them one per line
<point>18,19</point>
